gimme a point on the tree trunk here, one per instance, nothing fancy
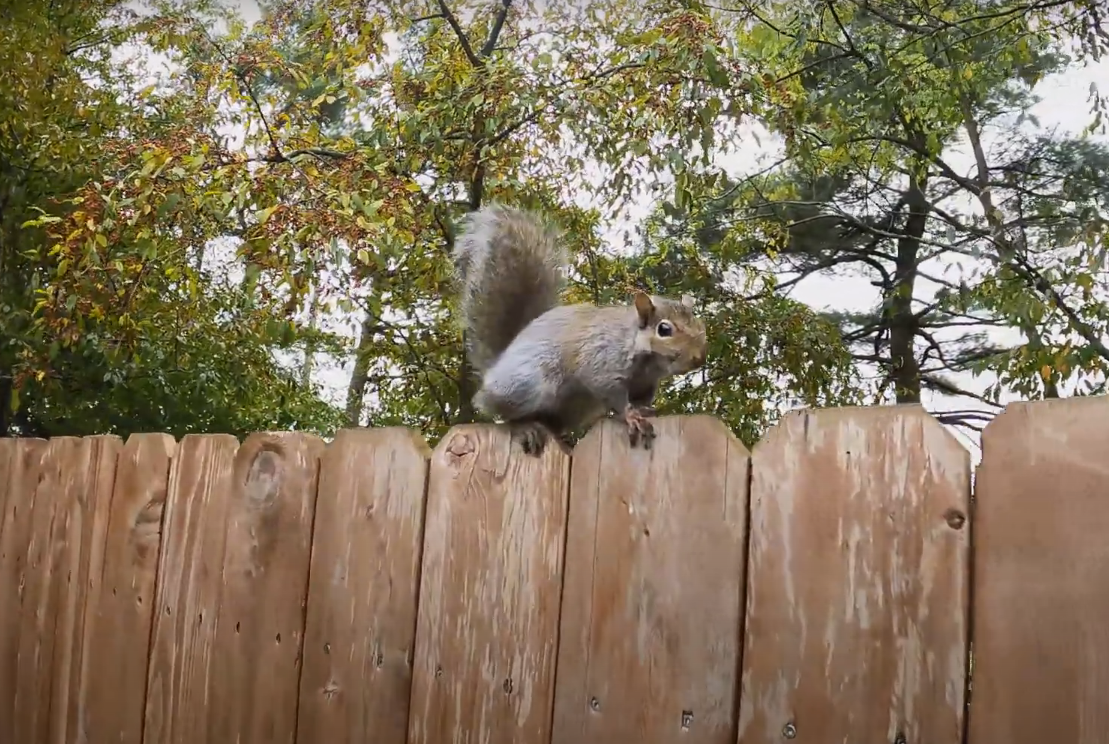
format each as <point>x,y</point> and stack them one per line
<point>360,376</point>
<point>310,345</point>
<point>1036,344</point>
<point>902,322</point>
<point>5,405</point>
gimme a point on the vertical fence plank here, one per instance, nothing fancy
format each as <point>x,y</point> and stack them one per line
<point>9,584</point>
<point>486,632</point>
<point>120,616</point>
<point>260,626</point>
<point>653,599</point>
<point>65,557</point>
<point>20,466</point>
<point>38,613</point>
<point>190,577</point>
<point>1040,564</point>
<point>858,580</point>
<point>8,452</point>
<point>361,621</point>
<point>89,512</point>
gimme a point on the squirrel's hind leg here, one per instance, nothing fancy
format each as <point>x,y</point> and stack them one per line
<point>532,435</point>
<point>536,430</point>
<point>522,389</point>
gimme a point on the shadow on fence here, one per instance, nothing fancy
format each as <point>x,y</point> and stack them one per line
<point>817,589</point>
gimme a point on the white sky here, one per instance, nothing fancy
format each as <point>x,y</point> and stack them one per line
<point>1064,105</point>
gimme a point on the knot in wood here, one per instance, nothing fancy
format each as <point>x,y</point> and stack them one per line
<point>263,480</point>
<point>955,519</point>
<point>461,444</point>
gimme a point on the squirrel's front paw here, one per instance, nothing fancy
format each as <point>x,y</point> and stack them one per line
<point>640,430</point>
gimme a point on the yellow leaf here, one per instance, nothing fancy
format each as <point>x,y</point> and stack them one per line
<point>1045,372</point>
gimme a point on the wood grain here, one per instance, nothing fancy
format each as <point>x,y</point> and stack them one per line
<point>1041,643</point>
<point>39,611</point>
<point>9,451</point>
<point>121,610</point>
<point>20,467</point>
<point>260,629</point>
<point>858,580</point>
<point>486,634</point>
<point>65,554</point>
<point>653,601</point>
<point>361,622</point>
<point>190,579</point>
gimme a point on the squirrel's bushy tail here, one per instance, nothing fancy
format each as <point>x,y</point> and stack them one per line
<point>509,271</point>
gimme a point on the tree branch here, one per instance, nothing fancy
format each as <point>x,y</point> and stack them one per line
<point>464,42</point>
<point>495,32</point>
<point>1018,264</point>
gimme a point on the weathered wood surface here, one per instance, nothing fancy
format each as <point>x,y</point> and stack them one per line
<point>122,612</point>
<point>858,580</point>
<point>81,472</point>
<point>653,599</point>
<point>20,466</point>
<point>66,554</point>
<point>190,579</point>
<point>856,602</point>
<point>1041,648</point>
<point>39,607</point>
<point>487,626</point>
<point>361,623</point>
<point>260,628</point>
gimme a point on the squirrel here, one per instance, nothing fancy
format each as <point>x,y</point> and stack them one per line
<point>547,367</point>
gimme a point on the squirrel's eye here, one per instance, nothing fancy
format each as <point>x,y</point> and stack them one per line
<point>665,329</point>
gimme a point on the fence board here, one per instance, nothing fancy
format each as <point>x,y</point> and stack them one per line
<point>858,580</point>
<point>190,577</point>
<point>38,616</point>
<point>121,614</point>
<point>490,591</point>
<point>65,556</point>
<point>1041,557</point>
<point>20,465</point>
<point>652,605</point>
<point>8,452</point>
<point>260,628</point>
<point>361,621</point>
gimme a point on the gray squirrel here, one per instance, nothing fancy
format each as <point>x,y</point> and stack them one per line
<point>551,368</point>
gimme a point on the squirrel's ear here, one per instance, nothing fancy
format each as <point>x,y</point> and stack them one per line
<point>687,301</point>
<point>644,306</point>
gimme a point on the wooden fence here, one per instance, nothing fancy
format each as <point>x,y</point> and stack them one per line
<point>821,589</point>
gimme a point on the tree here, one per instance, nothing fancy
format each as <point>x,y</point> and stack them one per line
<point>510,106</point>
<point>499,103</point>
<point>317,161</point>
<point>111,320</point>
<point>869,99</point>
